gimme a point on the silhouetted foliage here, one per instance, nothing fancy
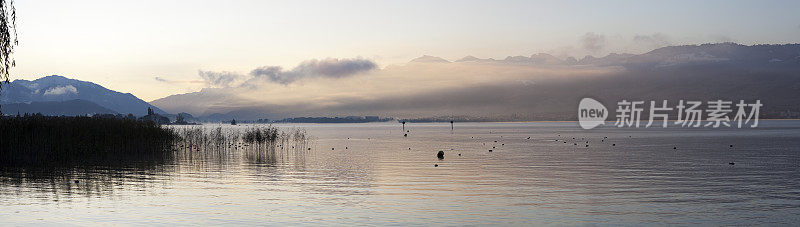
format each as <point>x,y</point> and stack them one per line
<point>8,39</point>
<point>260,135</point>
<point>93,155</point>
<point>257,144</point>
<point>45,140</point>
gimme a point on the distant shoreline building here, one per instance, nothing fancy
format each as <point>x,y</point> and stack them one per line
<point>154,117</point>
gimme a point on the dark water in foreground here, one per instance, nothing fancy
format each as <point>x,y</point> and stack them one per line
<point>373,178</point>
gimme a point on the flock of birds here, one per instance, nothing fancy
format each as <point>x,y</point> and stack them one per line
<point>575,141</point>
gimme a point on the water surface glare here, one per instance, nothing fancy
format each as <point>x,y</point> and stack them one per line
<point>356,174</point>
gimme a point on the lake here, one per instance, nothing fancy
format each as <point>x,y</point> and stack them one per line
<point>371,174</point>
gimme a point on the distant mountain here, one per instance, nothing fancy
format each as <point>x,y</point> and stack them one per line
<point>468,58</point>
<point>73,107</point>
<point>726,53</point>
<point>188,102</point>
<point>429,59</point>
<point>704,54</point>
<point>58,88</point>
<point>729,71</point>
<point>536,59</point>
<point>610,59</point>
<point>546,59</point>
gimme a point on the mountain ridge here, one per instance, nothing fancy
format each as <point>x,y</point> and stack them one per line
<point>74,107</point>
<point>694,52</point>
<point>722,70</point>
<point>60,88</point>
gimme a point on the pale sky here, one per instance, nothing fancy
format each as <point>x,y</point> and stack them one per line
<point>124,45</point>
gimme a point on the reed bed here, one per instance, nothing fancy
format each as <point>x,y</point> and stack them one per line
<point>67,141</point>
<point>256,144</point>
<point>96,141</point>
<point>89,155</point>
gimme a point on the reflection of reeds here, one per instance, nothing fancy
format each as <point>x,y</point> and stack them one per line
<point>84,155</point>
<point>65,182</point>
<point>87,155</point>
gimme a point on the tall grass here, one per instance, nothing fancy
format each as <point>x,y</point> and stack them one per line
<point>257,144</point>
<point>95,141</point>
<point>60,141</point>
<point>91,154</point>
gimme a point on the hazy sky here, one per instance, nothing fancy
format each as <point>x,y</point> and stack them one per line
<point>125,45</point>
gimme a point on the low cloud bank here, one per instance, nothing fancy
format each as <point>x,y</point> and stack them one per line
<point>219,79</point>
<point>329,68</point>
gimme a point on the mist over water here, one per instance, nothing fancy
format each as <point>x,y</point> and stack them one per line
<point>371,174</point>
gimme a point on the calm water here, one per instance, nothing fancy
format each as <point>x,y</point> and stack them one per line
<point>374,175</point>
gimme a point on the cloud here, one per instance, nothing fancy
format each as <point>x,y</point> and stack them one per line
<point>654,41</point>
<point>219,79</point>
<point>163,80</point>
<point>400,90</point>
<point>61,90</point>
<point>326,68</point>
<point>593,42</point>
<point>159,79</point>
<point>722,38</point>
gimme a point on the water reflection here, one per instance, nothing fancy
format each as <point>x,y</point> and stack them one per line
<point>57,183</point>
<point>366,174</point>
<point>197,149</point>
